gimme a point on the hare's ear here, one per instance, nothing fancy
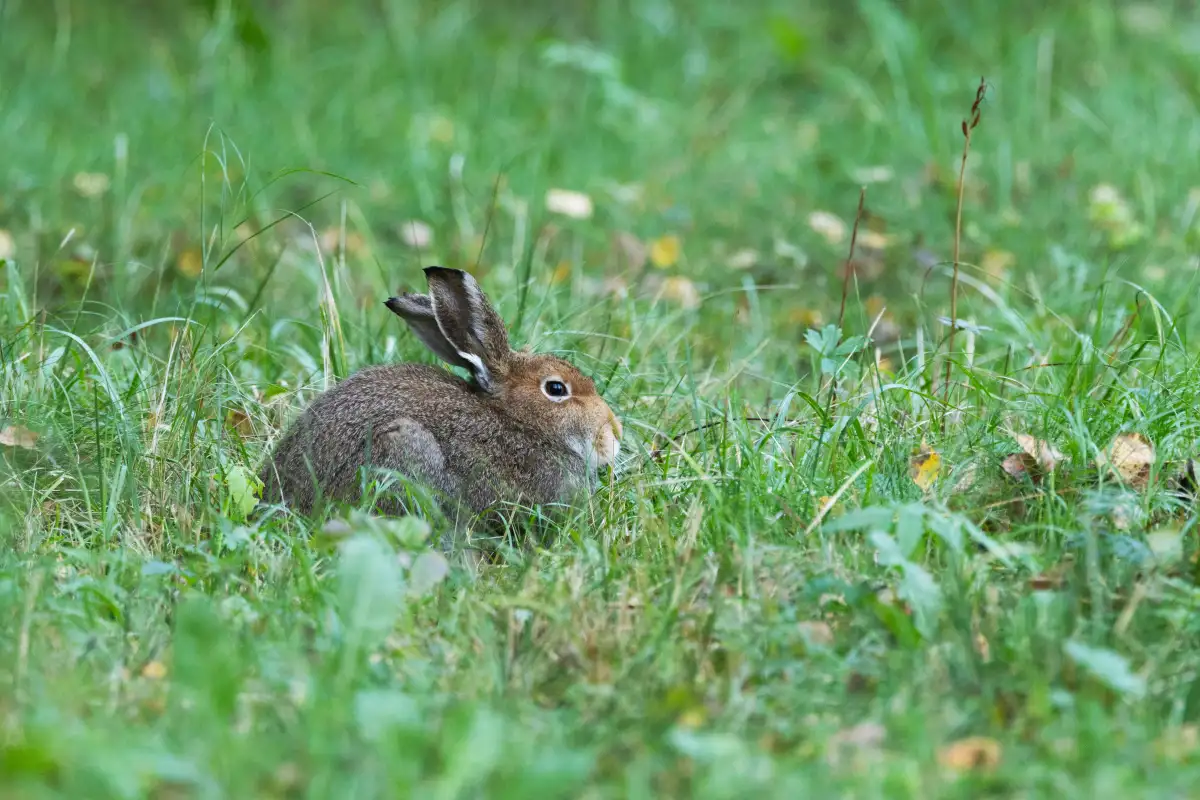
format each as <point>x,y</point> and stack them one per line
<point>417,311</point>
<point>469,323</point>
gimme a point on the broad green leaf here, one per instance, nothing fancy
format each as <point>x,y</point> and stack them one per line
<point>948,527</point>
<point>910,528</point>
<point>371,588</point>
<point>918,587</point>
<point>429,569</point>
<point>243,491</point>
<point>1109,667</point>
<point>378,711</point>
<point>874,517</point>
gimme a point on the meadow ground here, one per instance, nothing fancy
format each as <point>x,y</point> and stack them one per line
<point>819,572</point>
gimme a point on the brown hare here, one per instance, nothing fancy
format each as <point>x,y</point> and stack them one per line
<point>527,428</point>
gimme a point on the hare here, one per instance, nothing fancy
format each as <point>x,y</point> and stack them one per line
<point>527,428</point>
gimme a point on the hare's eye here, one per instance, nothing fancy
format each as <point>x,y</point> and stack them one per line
<point>556,390</point>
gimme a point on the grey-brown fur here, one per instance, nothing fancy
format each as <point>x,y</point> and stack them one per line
<point>462,446</point>
<point>491,440</point>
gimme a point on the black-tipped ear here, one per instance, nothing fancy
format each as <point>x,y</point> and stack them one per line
<point>417,311</point>
<point>469,323</point>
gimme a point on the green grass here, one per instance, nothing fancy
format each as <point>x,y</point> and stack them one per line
<point>691,632</point>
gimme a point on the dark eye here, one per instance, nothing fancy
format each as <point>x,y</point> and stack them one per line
<point>556,390</point>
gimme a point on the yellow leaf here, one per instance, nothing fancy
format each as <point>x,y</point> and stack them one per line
<point>561,273</point>
<point>808,317</point>
<point>1130,456</point>
<point>8,245</point>
<point>971,754</point>
<point>190,263</point>
<point>154,670</point>
<point>664,251</point>
<point>829,226</point>
<point>14,436</point>
<point>924,469</point>
<point>996,263</point>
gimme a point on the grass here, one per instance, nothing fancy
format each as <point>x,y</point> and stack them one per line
<point>205,210</point>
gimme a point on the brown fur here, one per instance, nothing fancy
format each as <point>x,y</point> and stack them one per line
<point>477,446</point>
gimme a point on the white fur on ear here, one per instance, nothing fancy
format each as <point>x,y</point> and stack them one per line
<point>475,301</point>
<point>482,375</point>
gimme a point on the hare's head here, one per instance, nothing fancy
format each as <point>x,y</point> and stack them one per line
<point>456,321</point>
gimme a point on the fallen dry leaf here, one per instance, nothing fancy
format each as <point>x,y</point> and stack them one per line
<point>416,234</point>
<point>924,469</point>
<point>973,753</point>
<point>1020,465</point>
<point>154,670</point>
<point>983,647</point>
<point>682,291</point>
<point>568,203</point>
<point>967,477</point>
<point>1044,454</point>
<point>873,240</point>
<point>8,245</point>
<point>632,250</point>
<point>828,226</point>
<point>14,436</point>
<point>1037,458</point>
<point>665,251</point>
<point>240,421</point>
<point>1130,456</point>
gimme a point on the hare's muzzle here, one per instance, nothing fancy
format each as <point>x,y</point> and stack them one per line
<point>606,443</point>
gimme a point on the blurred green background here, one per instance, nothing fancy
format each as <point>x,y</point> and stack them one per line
<point>204,204</point>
